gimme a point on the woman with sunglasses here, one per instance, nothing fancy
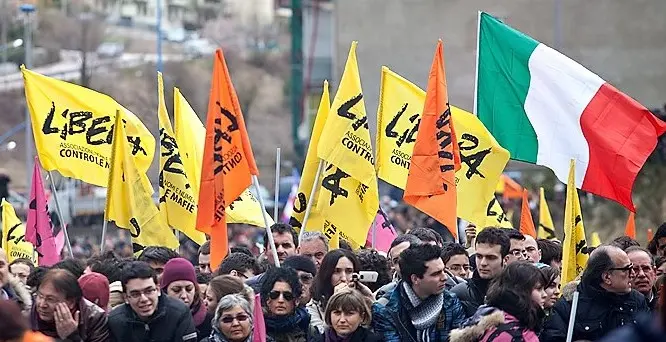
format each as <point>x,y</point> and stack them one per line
<point>233,320</point>
<point>280,293</point>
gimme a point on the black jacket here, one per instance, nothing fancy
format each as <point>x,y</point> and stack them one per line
<point>171,322</point>
<point>646,329</point>
<point>360,335</point>
<point>472,294</point>
<point>599,312</point>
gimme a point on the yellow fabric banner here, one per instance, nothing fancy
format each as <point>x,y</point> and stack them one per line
<point>129,201</point>
<point>177,201</point>
<point>398,118</point>
<point>349,197</point>
<point>546,226</point>
<point>190,135</point>
<point>310,167</point>
<point>73,128</point>
<point>495,216</point>
<point>595,240</point>
<point>13,236</point>
<point>574,250</point>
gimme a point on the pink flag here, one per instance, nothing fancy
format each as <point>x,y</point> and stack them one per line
<point>385,233</point>
<point>60,240</point>
<point>39,230</point>
<point>259,333</point>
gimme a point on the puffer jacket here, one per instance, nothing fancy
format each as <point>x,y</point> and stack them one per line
<point>93,324</point>
<point>598,313</point>
<point>489,324</point>
<point>392,322</point>
<point>19,293</point>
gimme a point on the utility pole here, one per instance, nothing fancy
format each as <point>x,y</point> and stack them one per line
<point>297,93</point>
<point>28,10</point>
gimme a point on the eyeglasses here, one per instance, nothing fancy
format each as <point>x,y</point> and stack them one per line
<point>306,278</point>
<point>231,319</point>
<point>50,300</point>
<point>145,292</point>
<point>288,296</point>
<point>645,268</point>
<point>518,252</point>
<point>628,268</point>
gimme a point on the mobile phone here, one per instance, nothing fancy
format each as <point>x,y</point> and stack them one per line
<point>366,276</point>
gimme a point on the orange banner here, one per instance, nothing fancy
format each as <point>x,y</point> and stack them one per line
<point>228,162</point>
<point>630,228</point>
<point>526,221</point>
<point>431,185</point>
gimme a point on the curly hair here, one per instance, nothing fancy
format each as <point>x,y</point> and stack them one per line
<point>511,292</point>
<point>372,261</point>
<point>275,274</point>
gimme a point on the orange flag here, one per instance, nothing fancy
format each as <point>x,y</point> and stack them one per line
<point>526,222</point>
<point>228,162</point>
<point>630,228</point>
<point>650,234</point>
<point>431,185</point>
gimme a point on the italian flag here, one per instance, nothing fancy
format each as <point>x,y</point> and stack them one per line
<point>546,109</point>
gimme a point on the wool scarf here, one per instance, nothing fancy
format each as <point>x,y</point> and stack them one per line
<point>423,313</point>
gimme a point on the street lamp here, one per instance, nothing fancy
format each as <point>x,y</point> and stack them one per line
<point>28,10</point>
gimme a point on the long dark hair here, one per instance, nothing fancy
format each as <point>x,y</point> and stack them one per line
<point>323,289</point>
<point>511,292</point>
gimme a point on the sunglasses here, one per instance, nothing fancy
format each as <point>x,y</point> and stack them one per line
<point>239,318</point>
<point>627,268</point>
<point>288,296</point>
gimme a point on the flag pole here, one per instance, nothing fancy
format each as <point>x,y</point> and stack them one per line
<point>60,218</point>
<point>308,208</point>
<point>572,316</point>
<point>255,182</point>
<point>276,199</point>
<point>374,233</point>
<point>476,69</point>
<point>104,224</point>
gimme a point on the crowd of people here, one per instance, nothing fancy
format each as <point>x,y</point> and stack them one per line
<point>500,286</point>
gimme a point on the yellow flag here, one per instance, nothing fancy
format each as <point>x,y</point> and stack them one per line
<point>398,117</point>
<point>190,135</point>
<point>495,216</point>
<point>310,167</point>
<point>546,226</point>
<point>129,199</point>
<point>595,240</point>
<point>349,197</point>
<point>73,128</point>
<point>574,250</point>
<point>177,201</point>
<point>13,236</point>
<point>334,241</point>
<point>482,158</point>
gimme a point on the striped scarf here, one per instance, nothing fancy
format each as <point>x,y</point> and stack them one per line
<point>423,313</point>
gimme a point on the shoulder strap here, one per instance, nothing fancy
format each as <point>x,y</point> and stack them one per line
<point>512,328</point>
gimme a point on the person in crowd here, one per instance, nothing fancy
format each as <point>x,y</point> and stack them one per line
<point>532,251</point>
<point>427,235</point>
<point>306,270</point>
<point>232,321</point>
<point>419,308</point>
<point>644,281</point>
<point>74,266</point>
<point>660,265</point>
<point>11,287</point>
<point>107,264</point>
<point>348,317</point>
<point>204,258</point>
<point>371,260</point>
<point>551,253</point>
<point>492,253</point>
<point>157,257</point>
<point>606,300</point>
<point>285,239</point>
<point>624,242</point>
<point>336,269</point>
<point>657,245</point>
<point>147,315</point>
<point>285,320</point>
<point>21,268</point>
<point>116,296</point>
<point>61,312</point>
<point>517,250</point>
<point>313,245</point>
<point>241,249</point>
<point>239,265</point>
<point>223,285</point>
<point>180,282</point>
<point>203,279</point>
<point>95,288</point>
<point>514,310</point>
<point>552,287</point>
<point>398,245</point>
<point>35,277</point>
<point>456,260</point>
<point>14,327</point>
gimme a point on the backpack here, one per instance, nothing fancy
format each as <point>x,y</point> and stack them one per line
<point>512,328</point>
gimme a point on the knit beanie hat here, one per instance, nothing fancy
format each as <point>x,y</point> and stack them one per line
<point>300,263</point>
<point>177,269</point>
<point>95,288</point>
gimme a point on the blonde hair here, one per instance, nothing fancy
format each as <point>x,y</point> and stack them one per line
<point>349,300</point>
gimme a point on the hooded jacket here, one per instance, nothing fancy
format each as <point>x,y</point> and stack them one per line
<point>492,325</point>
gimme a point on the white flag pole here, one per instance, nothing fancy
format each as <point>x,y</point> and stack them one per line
<point>572,316</point>
<point>104,225</point>
<point>255,182</point>
<point>60,217</point>
<point>276,197</point>
<point>311,200</point>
